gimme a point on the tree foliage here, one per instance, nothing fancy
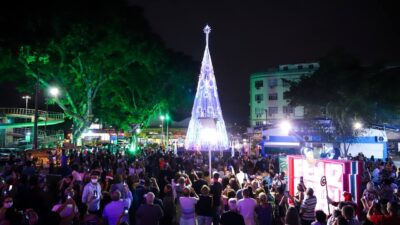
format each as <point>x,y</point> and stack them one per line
<point>345,92</point>
<point>106,64</point>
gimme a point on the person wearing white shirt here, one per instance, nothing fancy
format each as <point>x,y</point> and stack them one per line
<point>187,203</point>
<point>246,207</point>
<point>92,193</point>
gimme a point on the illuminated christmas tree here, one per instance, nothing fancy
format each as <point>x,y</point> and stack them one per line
<point>207,127</point>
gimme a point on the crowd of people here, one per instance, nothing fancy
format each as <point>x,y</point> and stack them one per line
<point>157,187</point>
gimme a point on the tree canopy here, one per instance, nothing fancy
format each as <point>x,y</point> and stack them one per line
<point>107,64</point>
<point>345,92</point>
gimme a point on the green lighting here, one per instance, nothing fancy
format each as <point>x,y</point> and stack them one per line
<point>138,130</point>
<point>167,117</point>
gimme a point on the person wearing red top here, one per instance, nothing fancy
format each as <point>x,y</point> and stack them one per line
<point>389,219</point>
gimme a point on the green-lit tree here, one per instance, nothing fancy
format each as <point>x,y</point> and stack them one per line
<point>344,92</point>
<point>106,63</point>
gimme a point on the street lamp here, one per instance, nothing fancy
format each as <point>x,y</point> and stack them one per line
<point>167,119</point>
<point>26,97</point>
<point>357,125</point>
<point>54,92</point>
<point>162,117</point>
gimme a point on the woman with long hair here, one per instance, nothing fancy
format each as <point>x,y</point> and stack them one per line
<point>292,217</point>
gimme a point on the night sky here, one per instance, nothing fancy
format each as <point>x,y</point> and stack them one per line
<point>251,36</point>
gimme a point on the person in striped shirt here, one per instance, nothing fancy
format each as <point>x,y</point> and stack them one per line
<point>307,209</point>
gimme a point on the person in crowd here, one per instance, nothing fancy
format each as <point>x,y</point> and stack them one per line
<point>299,197</point>
<point>336,214</point>
<point>204,207</point>
<point>216,193</point>
<point>199,183</point>
<point>349,214</point>
<point>232,217</point>
<point>116,211</point>
<point>246,207</point>
<point>292,217</point>
<point>263,210</point>
<point>67,209</point>
<point>92,193</point>
<point>6,206</point>
<point>149,213</point>
<point>307,209</point>
<point>320,218</point>
<point>391,218</point>
<point>187,203</point>
<point>168,206</point>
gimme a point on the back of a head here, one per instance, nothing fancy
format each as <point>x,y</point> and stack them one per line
<point>150,198</point>
<point>116,195</point>
<point>246,193</point>
<point>310,192</point>
<point>292,216</point>
<point>348,212</point>
<point>320,216</point>
<point>216,176</point>
<point>232,203</point>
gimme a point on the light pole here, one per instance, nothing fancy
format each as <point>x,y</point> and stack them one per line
<point>26,97</point>
<point>167,119</point>
<point>53,91</point>
<point>162,117</point>
<point>35,124</point>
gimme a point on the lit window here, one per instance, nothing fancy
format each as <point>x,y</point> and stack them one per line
<point>273,82</point>
<point>273,96</point>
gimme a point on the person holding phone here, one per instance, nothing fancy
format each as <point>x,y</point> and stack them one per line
<point>67,208</point>
<point>116,212</point>
<point>92,193</point>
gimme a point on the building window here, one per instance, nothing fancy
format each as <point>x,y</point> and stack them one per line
<point>273,110</point>
<point>273,82</point>
<point>311,66</point>
<point>287,109</point>
<point>285,68</point>
<point>300,67</point>
<point>273,96</point>
<point>259,98</point>
<point>259,84</point>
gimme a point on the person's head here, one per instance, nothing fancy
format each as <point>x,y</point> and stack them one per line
<point>168,190</point>
<point>348,197</point>
<point>348,212</point>
<point>232,203</point>
<point>94,177</point>
<point>337,213</point>
<point>205,190</point>
<point>370,186</point>
<point>31,216</point>
<point>216,177</point>
<point>186,192</point>
<point>392,208</point>
<point>300,188</point>
<point>310,192</point>
<point>263,198</point>
<point>292,216</point>
<point>320,216</point>
<point>7,202</point>
<point>341,221</point>
<point>246,193</point>
<point>116,195</point>
<point>150,198</point>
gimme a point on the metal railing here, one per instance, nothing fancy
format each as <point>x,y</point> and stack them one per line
<point>31,112</point>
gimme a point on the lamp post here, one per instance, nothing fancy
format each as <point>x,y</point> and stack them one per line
<point>35,124</point>
<point>53,91</point>
<point>26,97</point>
<point>167,119</point>
<point>162,117</point>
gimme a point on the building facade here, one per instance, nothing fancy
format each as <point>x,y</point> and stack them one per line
<point>267,103</point>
